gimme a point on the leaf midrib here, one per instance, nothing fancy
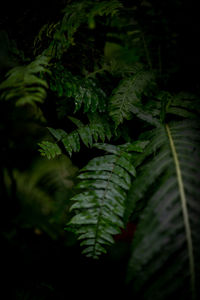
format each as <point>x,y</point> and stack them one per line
<point>100,209</point>
<point>124,99</point>
<point>184,210</point>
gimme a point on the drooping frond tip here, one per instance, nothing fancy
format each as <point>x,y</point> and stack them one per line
<point>99,207</point>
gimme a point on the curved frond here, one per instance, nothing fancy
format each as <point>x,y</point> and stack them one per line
<point>84,92</point>
<point>97,129</point>
<point>24,84</point>
<point>44,192</point>
<point>76,14</point>
<point>103,8</point>
<point>167,239</point>
<point>126,99</point>
<point>49,149</point>
<point>99,207</point>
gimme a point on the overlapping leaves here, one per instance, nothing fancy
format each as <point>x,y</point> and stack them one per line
<point>166,243</point>
<point>24,84</point>
<point>75,15</point>
<point>97,129</point>
<point>82,91</point>
<point>126,99</point>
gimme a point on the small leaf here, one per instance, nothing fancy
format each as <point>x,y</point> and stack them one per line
<point>85,135</point>
<point>49,149</point>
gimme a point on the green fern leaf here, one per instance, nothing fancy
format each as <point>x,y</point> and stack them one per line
<point>103,8</point>
<point>98,128</point>
<point>24,85</point>
<point>62,34</point>
<point>83,92</point>
<point>48,149</point>
<point>126,99</point>
<point>43,191</point>
<point>183,105</point>
<point>167,239</point>
<point>76,121</point>
<point>100,206</point>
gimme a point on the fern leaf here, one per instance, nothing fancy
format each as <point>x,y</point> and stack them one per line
<point>48,149</point>
<point>57,133</point>
<point>84,92</point>
<point>76,121</point>
<point>167,239</point>
<point>43,192</point>
<point>126,99</point>
<point>98,128</point>
<point>100,206</point>
<point>183,105</point>
<point>23,83</point>
<point>103,8</point>
<point>75,15</point>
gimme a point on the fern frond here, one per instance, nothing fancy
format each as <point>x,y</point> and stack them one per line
<point>75,15</point>
<point>167,239</point>
<point>184,105</point>
<point>103,8</point>
<point>46,33</point>
<point>44,191</point>
<point>49,149</point>
<point>126,102</point>
<point>83,91</point>
<point>126,99</point>
<point>24,84</point>
<point>97,129</point>
<point>100,206</point>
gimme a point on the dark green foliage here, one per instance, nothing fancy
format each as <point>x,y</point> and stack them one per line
<point>48,149</point>
<point>100,206</point>
<point>97,129</point>
<point>105,81</point>
<point>170,222</point>
<point>42,192</point>
<point>184,105</point>
<point>86,11</point>
<point>61,34</point>
<point>82,92</point>
<point>24,85</point>
<point>126,99</point>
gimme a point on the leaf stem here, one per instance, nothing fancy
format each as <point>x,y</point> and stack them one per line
<point>185,212</point>
<point>100,209</point>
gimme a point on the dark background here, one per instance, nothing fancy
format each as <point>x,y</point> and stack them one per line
<point>35,265</point>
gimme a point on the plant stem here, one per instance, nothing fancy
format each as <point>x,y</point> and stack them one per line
<point>185,212</point>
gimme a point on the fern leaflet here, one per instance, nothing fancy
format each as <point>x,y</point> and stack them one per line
<point>100,206</point>
<point>23,83</point>
<point>84,91</point>
<point>97,129</point>
<point>126,98</point>
<point>103,8</point>
<point>49,149</point>
<point>76,14</point>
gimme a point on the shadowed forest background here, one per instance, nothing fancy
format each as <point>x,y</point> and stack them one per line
<point>40,259</point>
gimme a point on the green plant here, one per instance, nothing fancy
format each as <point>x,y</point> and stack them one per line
<point>42,192</point>
<point>23,83</point>
<point>149,173</point>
